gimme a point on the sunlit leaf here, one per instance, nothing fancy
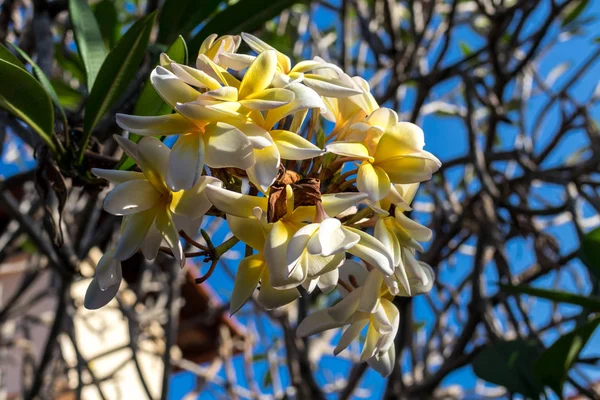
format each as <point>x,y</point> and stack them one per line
<point>116,73</point>
<point>88,38</point>
<point>588,302</point>
<point>590,251</point>
<point>243,16</point>
<point>181,16</point>
<point>69,98</point>
<point>23,96</point>
<point>6,55</point>
<point>41,76</point>
<point>108,21</point>
<point>554,364</point>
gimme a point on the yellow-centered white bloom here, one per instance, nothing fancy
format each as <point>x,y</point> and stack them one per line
<point>368,306</point>
<point>147,203</point>
<point>213,46</point>
<point>392,152</point>
<point>105,285</point>
<point>338,85</point>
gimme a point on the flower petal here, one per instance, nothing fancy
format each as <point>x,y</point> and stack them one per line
<point>171,88</point>
<point>268,99</point>
<point>186,162</point>
<point>227,146</point>
<point>333,238</point>
<point>349,149</point>
<point>108,271</point>
<point>328,281</point>
<point>336,203</point>
<point>384,362</point>
<point>373,181</point>
<point>151,244</point>
<point>96,298</point>
<point>131,197</point>
<point>117,176</point>
<point>259,46</point>
<point>370,347</point>
<point>316,322</point>
<point>240,205</point>
<point>329,87</point>
<point>194,203</point>
<point>271,298</point>
<point>386,119</point>
<point>134,232</point>
<point>202,114</point>
<point>195,77</point>
<point>265,168</point>
<point>154,158</point>
<point>352,272</point>
<point>350,334</point>
<point>248,230</point>
<point>304,98</point>
<point>369,301</point>
<point>169,124</point>
<point>292,146</point>
<point>247,277</point>
<point>297,246</point>
<point>259,74</point>
<point>236,62</point>
<point>410,168</point>
<point>372,251</point>
<point>170,234</point>
<point>275,254</point>
<point>345,308</point>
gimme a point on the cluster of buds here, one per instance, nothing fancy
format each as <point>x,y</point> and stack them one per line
<point>315,209</point>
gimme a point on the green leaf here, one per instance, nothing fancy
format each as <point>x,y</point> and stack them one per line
<point>69,98</point>
<point>573,10</point>
<point>6,55</point>
<point>245,15</point>
<point>182,16</point>
<point>23,96</point>
<point>106,14</point>
<point>43,79</point>
<point>510,364</point>
<point>554,364</point>
<point>116,73</point>
<point>70,62</point>
<point>88,38</point>
<point>465,49</point>
<point>591,303</point>
<point>590,251</point>
<point>149,102</point>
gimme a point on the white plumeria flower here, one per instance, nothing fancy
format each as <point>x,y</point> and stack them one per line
<point>279,235</point>
<point>367,304</point>
<point>213,46</point>
<point>339,85</point>
<point>391,152</point>
<point>148,205</point>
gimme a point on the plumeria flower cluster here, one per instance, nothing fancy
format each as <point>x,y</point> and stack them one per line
<point>310,173</point>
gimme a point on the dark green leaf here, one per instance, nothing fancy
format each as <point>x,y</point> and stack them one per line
<point>149,102</point>
<point>69,98</point>
<point>88,37</point>
<point>510,364</point>
<point>70,62</point>
<point>573,10</point>
<point>108,21</point>
<point>245,15</point>
<point>181,16</point>
<point>6,55</point>
<point>554,364</point>
<point>116,73</point>
<point>590,251</point>
<point>23,96</point>
<point>41,76</point>
<point>588,302</point>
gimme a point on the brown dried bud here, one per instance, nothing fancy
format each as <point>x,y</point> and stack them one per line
<point>276,208</point>
<point>307,192</point>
